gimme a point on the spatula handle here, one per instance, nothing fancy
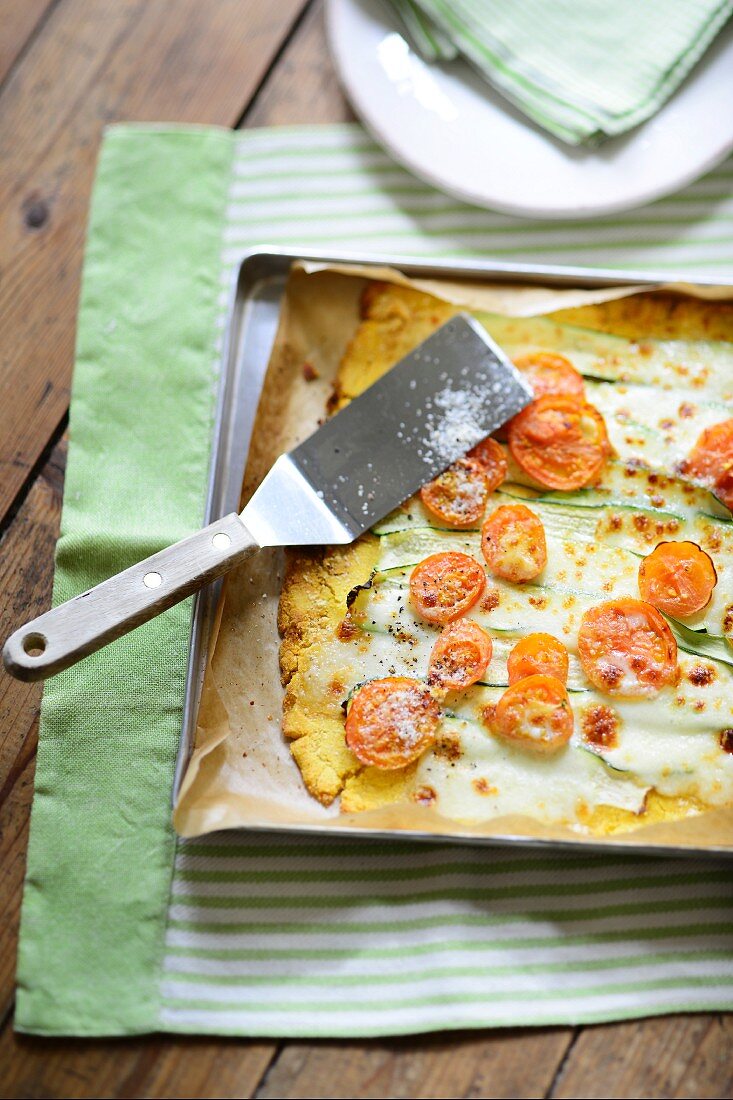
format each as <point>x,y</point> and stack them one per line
<point>64,635</point>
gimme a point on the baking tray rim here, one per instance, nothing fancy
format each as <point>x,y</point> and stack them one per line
<point>268,262</point>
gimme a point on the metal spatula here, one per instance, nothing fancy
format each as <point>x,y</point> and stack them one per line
<point>433,406</point>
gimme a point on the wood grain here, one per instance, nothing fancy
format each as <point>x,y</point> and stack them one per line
<point>498,1064</point>
<point>674,1056</point>
<point>148,1066</point>
<point>19,22</point>
<point>94,62</point>
<point>303,87</point>
<point>26,575</point>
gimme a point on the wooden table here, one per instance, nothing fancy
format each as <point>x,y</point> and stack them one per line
<point>68,67</point>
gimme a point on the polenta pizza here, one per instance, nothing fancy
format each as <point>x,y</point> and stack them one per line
<point>545,629</point>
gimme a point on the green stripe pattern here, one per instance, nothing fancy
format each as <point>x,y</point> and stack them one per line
<point>582,71</point>
<point>324,188</point>
<point>423,33</point>
<point>301,937</point>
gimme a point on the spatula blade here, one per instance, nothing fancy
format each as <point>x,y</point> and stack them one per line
<point>453,390</point>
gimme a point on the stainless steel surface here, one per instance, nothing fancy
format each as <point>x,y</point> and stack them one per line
<point>435,404</point>
<point>273,263</point>
<point>610,846</point>
<point>254,310</point>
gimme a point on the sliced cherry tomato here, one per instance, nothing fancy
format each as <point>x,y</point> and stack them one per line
<point>677,578</point>
<point>723,488</point>
<point>460,656</point>
<point>445,586</point>
<point>547,372</point>
<point>458,495</point>
<point>535,712</point>
<point>391,722</point>
<point>626,648</point>
<point>538,653</point>
<point>513,543</point>
<point>491,456</point>
<point>560,441</point>
<point>711,460</point>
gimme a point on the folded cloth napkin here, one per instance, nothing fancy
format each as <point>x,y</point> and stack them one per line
<point>583,69</point>
<point>124,928</point>
<point>424,34</point>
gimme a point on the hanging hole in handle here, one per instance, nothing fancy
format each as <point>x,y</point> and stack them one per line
<point>34,645</point>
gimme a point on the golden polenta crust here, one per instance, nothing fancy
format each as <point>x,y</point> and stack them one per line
<point>312,607</point>
<point>658,316</point>
<point>394,319</point>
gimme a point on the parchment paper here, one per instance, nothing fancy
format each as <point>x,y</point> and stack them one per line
<point>241,773</point>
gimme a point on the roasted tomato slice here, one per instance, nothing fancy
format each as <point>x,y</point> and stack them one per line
<point>513,543</point>
<point>677,578</point>
<point>626,648</point>
<point>445,586</point>
<point>711,461</point>
<point>391,722</point>
<point>547,372</point>
<point>560,441</point>
<point>491,456</point>
<point>458,495</point>
<point>723,488</point>
<point>535,712</point>
<point>538,653</point>
<point>460,656</point>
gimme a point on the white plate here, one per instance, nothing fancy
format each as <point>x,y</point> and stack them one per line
<point>446,125</point>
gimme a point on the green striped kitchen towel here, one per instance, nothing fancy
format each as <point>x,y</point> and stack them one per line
<point>125,929</point>
<point>583,69</point>
<point>428,39</point>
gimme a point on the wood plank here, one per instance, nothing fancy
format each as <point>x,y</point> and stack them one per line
<point>146,1066</point>
<point>673,1056</point>
<point>20,20</point>
<point>26,574</point>
<point>499,1063</point>
<point>94,62</point>
<point>303,88</point>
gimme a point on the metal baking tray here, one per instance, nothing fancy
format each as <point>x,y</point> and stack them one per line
<point>254,310</point>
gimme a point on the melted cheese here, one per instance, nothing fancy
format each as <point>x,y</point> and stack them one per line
<point>669,742</point>
<point>656,396</point>
<point>488,777</point>
<point>693,365</point>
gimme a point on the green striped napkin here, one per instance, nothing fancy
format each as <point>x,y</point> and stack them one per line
<point>424,34</point>
<point>583,70</point>
<point>125,929</point>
